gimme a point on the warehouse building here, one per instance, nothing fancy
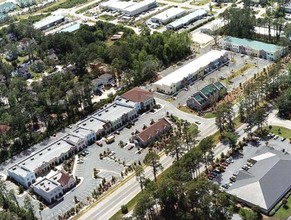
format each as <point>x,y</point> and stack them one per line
<point>128,8</point>
<point>48,22</point>
<point>253,48</point>
<point>168,15</point>
<point>186,20</point>
<point>191,72</point>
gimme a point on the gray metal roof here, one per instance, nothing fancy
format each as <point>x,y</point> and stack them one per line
<point>266,182</point>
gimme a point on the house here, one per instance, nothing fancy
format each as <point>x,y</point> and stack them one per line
<point>266,182</point>
<point>152,133</point>
<point>22,71</point>
<point>253,48</point>
<point>49,190</point>
<point>206,96</point>
<point>100,67</point>
<point>97,85</point>
<point>22,175</point>
<point>144,99</point>
<point>192,71</point>
<point>106,79</point>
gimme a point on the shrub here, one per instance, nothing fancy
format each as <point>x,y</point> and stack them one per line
<point>124,209</point>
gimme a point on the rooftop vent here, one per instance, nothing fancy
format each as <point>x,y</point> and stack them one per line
<point>49,149</point>
<point>47,189</point>
<point>84,124</point>
<point>40,154</point>
<point>114,105</point>
<point>41,184</point>
<point>99,114</point>
<point>55,177</point>
<point>58,143</point>
<point>23,163</point>
<point>31,158</point>
<point>91,119</point>
<point>127,101</point>
<point>106,110</point>
<point>14,168</point>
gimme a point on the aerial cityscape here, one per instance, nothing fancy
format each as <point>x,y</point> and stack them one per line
<point>145,109</point>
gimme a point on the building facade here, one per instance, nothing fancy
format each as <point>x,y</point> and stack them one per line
<point>206,96</point>
<point>253,48</point>
<point>191,72</point>
<point>152,133</point>
<point>22,175</point>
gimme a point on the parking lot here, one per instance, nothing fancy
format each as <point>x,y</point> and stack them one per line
<point>241,160</point>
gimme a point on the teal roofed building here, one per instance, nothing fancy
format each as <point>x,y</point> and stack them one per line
<point>3,17</point>
<point>25,3</point>
<point>7,7</point>
<point>207,96</point>
<point>253,48</point>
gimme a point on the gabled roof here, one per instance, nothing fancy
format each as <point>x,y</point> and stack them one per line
<point>137,95</point>
<point>267,181</point>
<point>153,129</point>
<point>64,178</point>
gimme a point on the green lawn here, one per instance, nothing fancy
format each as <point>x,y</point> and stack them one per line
<point>283,213</point>
<point>209,115</point>
<point>281,131</point>
<point>107,17</point>
<point>200,2</point>
<point>186,109</point>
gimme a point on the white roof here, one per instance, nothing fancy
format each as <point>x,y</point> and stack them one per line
<point>45,155</point>
<point>112,113</point>
<point>263,156</point>
<point>190,68</point>
<point>169,13</point>
<point>88,124</point>
<point>214,25</point>
<point>47,20</point>
<point>139,5</point>
<point>265,31</point>
<point>20,171</point>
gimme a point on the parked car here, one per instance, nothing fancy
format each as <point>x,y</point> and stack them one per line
<point>130,147</point>
<point>283,139</point>
<point>276,137</point>
<point>232,179</point>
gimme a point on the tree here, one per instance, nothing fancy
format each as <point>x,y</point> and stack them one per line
<point>260,117</point>
<point>152,159</point>
<point>232,139</point>
<point>139,173</point>
<point>144,205</point>
<point>28,205</point>
<point>248,214</point>
<point>206,145</point>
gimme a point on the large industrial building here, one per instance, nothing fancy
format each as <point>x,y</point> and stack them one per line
<point>186,20</point>
<point>191,72</point>
<point>128,8</point>
<point>253,48</point>
<point>168,15</point>
<point>48,22</point>
<point>266,182</point>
